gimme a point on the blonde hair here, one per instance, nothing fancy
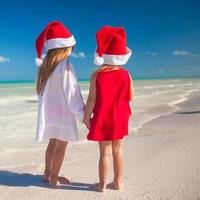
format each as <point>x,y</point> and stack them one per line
<point>53,57</point>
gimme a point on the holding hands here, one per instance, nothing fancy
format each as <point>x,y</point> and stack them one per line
<point>86,121</point>
<point>90,101</point>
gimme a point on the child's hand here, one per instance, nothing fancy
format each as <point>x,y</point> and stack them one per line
<point>86,122</point>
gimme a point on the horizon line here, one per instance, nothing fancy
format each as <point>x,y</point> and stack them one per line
<point>87,79</point>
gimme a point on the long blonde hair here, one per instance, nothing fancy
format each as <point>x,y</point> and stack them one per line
<point>51,60</point>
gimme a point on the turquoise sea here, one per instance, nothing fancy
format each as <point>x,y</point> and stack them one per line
<point>18,107</point>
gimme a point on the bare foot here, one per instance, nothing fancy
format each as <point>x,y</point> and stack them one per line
<point>64,180</point>
<point>53,181</point>
<point>46,176</point>
<point>61,179</point>
<point>98,187</point>
<point>117,186</point>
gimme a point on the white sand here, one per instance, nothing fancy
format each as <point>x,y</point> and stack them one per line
<point>162,159</point>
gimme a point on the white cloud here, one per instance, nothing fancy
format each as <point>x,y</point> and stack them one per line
<point>197,69</point>
<point>4,59</point>
<point>181,53</point>
<point>161,71</point>
<point>74,55</point>
<point>78,55</point>
<point>151,53</point>
<point>81,54</point>
<point>154,54</point>
<point>184,53</point>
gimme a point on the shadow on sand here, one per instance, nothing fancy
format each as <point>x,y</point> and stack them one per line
<point>25,180</point>
<point>190,112</point>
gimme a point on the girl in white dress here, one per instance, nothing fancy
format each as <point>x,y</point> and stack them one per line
<point>60,99</point>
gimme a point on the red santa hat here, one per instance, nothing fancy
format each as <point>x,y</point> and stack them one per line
<point>54,36</point>
<point>111,46</point>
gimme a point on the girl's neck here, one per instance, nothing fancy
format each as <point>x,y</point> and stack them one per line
<point>109,68</point>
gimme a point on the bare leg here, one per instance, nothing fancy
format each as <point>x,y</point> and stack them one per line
<point>105,155</point>
<point>58,158</point>
<point>117,152</point>
<point>49,159</point>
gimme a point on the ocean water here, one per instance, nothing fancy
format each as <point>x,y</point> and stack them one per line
<point>18,109</point>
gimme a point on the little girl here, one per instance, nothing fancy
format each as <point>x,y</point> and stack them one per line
<point>107,110</point>
<point>60,100</point>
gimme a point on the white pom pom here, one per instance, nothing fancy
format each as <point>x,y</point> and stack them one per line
<point>38,62</point>
<point>98,60</point>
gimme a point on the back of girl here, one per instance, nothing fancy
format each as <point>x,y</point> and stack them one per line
<point>60,100</point>
<point>107,111</point>
<point>111,110</point>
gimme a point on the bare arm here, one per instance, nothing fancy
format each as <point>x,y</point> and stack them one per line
<point>90,101</point>
<point>132,93</point>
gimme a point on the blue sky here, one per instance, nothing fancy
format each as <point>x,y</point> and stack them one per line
<point>164,35</point>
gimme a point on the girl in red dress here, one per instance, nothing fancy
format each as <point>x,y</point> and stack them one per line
<point>107,111</point>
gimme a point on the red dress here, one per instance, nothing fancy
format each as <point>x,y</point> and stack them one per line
<point>112,110</point>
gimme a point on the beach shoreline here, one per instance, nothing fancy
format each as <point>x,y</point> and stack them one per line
<point>173,107</point>
<point>161,158</point>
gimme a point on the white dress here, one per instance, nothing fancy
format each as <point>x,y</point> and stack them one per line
<point>59,106</point>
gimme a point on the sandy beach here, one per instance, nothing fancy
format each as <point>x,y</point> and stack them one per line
<point>162,151</point>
